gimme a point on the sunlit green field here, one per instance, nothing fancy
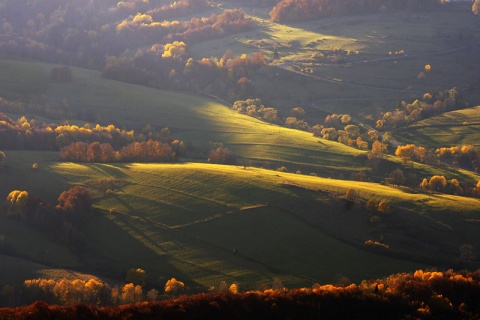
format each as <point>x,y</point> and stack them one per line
<point>205,223</point>
<point>196,120</point>
<point>420,35</point>
<point>460,127</point>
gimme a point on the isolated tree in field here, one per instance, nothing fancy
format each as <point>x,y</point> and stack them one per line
<point>3,160</point>
<point>75,203</point>
<point>222,155</point>
<point>17,203</point>
<point>173,286</point>
<point>275,53</point>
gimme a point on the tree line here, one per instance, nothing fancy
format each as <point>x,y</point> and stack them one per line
<point>299,10</point>
<point>341,128</point>
<point>149,151</point>
<point>31,134</point>
<point>419,295</point>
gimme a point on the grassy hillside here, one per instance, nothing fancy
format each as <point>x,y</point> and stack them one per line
<point>194,119</point>
<point>205,223</point>
<point>424,37</point>
<point>449,129</point>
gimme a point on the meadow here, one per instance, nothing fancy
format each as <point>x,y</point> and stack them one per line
<point>194,119</point>
<point>459,127</point>
<point>420,38</point>
<point>205,223</point>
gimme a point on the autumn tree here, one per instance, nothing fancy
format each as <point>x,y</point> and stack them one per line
<point>75,203</point>
<point>3,160</point>
<point>17,203</point>
<point>476,7</point>
<point>384,207</point>
<point>174,287</point>
<point>437,183</point>
<point>405,152</point>
<point>221,155</point>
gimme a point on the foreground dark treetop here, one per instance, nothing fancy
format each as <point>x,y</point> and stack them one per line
<point>422,295</point>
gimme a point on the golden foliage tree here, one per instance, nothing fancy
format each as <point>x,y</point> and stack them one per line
<point>3,160</point>
<point>136,276</point>
<point>17,202</point>
<point>173,286</point>
<point>476,7</point>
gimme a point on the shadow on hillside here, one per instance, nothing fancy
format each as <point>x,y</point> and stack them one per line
<point>107,169</point>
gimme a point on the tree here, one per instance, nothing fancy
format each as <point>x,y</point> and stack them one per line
<point>222,155</point>
<point>405,152</point>
<point>352,130</point>
<point>437,183</point>
<point>424,184</point>
<point>384,207</point>
<point>3,160</point>
<point>476,7</point>
<point>17,203</point>
<point>396,177</point>
<point>173,286</point>
<point>75,203</point>
<point>454,187</point>
<point>275,53</point>
<point>298,112</point>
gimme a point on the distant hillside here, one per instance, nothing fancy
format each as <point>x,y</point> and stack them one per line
<point>196,120</point>
<point>449,129</point>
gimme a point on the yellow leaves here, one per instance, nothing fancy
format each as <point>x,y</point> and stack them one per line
<point>427,275</point>
<point>233,288</point>
<point>17,198</point>
<point>173,286</point>
<point>176,50</point>
<point>142,18</point>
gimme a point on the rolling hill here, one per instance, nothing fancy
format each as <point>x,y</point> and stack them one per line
<point>453,128</point>
<point>205,223</point>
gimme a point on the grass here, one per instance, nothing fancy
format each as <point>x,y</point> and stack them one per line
<point>459,127</point>
<point>374,36</point>
<point>185,221</point>
<point>193,119</point>
<point>16,270</point>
